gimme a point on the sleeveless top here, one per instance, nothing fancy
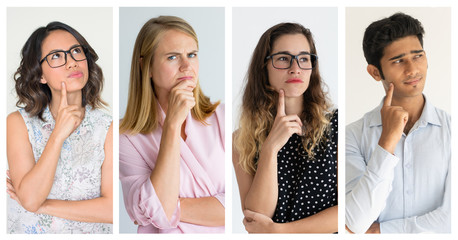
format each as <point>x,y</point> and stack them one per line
<point>77,177</point>
<point>307,186</point>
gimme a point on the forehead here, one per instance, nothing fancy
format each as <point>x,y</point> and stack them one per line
<point>176,41</point>
<point>293,43</point>
<point>405,45</point>
<point>58,40</point>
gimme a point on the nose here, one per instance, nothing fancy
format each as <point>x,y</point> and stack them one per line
<point>411,68</point>
<point>185,64</point>
<point>70,61</point>
<point>295,69</point>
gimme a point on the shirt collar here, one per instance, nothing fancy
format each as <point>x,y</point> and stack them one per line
<point>49,120</point>
<point>428,115</point>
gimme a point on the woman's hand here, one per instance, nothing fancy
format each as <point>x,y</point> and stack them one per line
<point>258,223</point>
<point>181,100</point>
<point>283,128</point>
<point>68,117</point>
<point>12,192</point>
<point>10,188</point>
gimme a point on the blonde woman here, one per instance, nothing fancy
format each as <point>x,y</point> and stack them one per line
<point>285,150</point>
<point>172,136</point>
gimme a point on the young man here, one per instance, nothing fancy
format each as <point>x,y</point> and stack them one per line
<point>398,155</point>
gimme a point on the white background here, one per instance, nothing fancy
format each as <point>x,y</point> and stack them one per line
<point>96,28</point>
<point>209,26</point>
<point>363,92</point>
<point>322,22</point>
<point>228,4</point>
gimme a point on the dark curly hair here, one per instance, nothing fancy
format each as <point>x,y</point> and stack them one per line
<point>383,32</point>
<point>35,96</point>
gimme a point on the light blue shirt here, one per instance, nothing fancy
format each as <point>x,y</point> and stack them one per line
<point>408,192</point>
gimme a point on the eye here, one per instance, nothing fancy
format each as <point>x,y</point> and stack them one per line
<point>192,55</point>
<point>418,56</point>
<point>304,59</point>
<point>173,57</point>
<point>283,58</point>
<point>398,61</point>
<point>77,50</point>
<point>56,55</point>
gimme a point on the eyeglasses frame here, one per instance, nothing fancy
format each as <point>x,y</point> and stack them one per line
<point>66,52</point>
<point>294,57</point>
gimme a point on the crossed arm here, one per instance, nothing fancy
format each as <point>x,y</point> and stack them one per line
<point>31,183</point>
<point>259,194</point>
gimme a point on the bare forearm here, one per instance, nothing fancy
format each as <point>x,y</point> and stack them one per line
<point>166,175</point>
<point>322,222</point>
<point>263,194</point>
<point>35,186</point>
<point>93,210</point>
<point>206,211</point>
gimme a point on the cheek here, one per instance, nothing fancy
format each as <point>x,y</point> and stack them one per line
<point>273,76</point>
<point>163,75</point>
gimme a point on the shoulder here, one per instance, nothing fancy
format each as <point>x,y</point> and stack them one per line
<point>16,125</point>
<point>219,115</point>
<point>333,116</point>
<point>99,117</point>
<point>15,120</point>
<point>443,115</point>
<point>14,116</point>
<point>220,110</point>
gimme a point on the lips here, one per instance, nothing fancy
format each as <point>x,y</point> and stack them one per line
<point>185,78</point>
<point>413,81</point>
<point>294,80</point>
<point>76,74</point>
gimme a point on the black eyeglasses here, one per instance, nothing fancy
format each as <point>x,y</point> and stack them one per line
<point>284,60</point>
<point>59,58</point>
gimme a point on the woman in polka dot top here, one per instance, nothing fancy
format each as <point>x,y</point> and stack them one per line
<point>285,150</point>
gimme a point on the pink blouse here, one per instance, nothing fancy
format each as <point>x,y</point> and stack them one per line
<point>201,173</point>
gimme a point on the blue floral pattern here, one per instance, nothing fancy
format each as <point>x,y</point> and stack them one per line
<point>78,173</point>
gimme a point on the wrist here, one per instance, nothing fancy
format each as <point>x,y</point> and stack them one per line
<point>268,152</point>
<point>388,145</point>
<point>277,227</point>
<point>56,138</point>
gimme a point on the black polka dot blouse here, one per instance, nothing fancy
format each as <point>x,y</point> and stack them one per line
<point>306,186</point>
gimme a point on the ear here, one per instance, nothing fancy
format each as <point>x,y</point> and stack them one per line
<point>43,80</point>
<point>374,72</point>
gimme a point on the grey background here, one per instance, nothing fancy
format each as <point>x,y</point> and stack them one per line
<point>209,25</point>
<point>248,24</point>
<point>363,93</point>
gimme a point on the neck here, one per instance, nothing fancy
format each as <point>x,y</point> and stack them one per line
<point>163,99</point>
<point>413,106</point>
<point>294,105</point>
<point>73,98</point>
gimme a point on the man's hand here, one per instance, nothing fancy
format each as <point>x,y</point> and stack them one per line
<point>394,120</point>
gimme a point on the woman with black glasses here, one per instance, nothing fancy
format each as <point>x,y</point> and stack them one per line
<point>59,144</point>
<point>285,149</point>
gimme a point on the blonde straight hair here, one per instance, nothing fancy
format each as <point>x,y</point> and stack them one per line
<point>142,114</point>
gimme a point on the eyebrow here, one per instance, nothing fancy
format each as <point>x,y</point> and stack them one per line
<point>287,52</point>
<point>403,54</point>
<point>178,53</point>
<point>61,50</point>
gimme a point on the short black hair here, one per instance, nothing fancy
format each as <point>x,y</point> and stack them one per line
<point>383,32</point>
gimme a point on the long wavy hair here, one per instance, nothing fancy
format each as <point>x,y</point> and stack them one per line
<point>142,113</point>
<point>35,96</point>
<point>259,103</point>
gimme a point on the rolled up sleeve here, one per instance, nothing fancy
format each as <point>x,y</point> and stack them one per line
<point>140,199</point>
